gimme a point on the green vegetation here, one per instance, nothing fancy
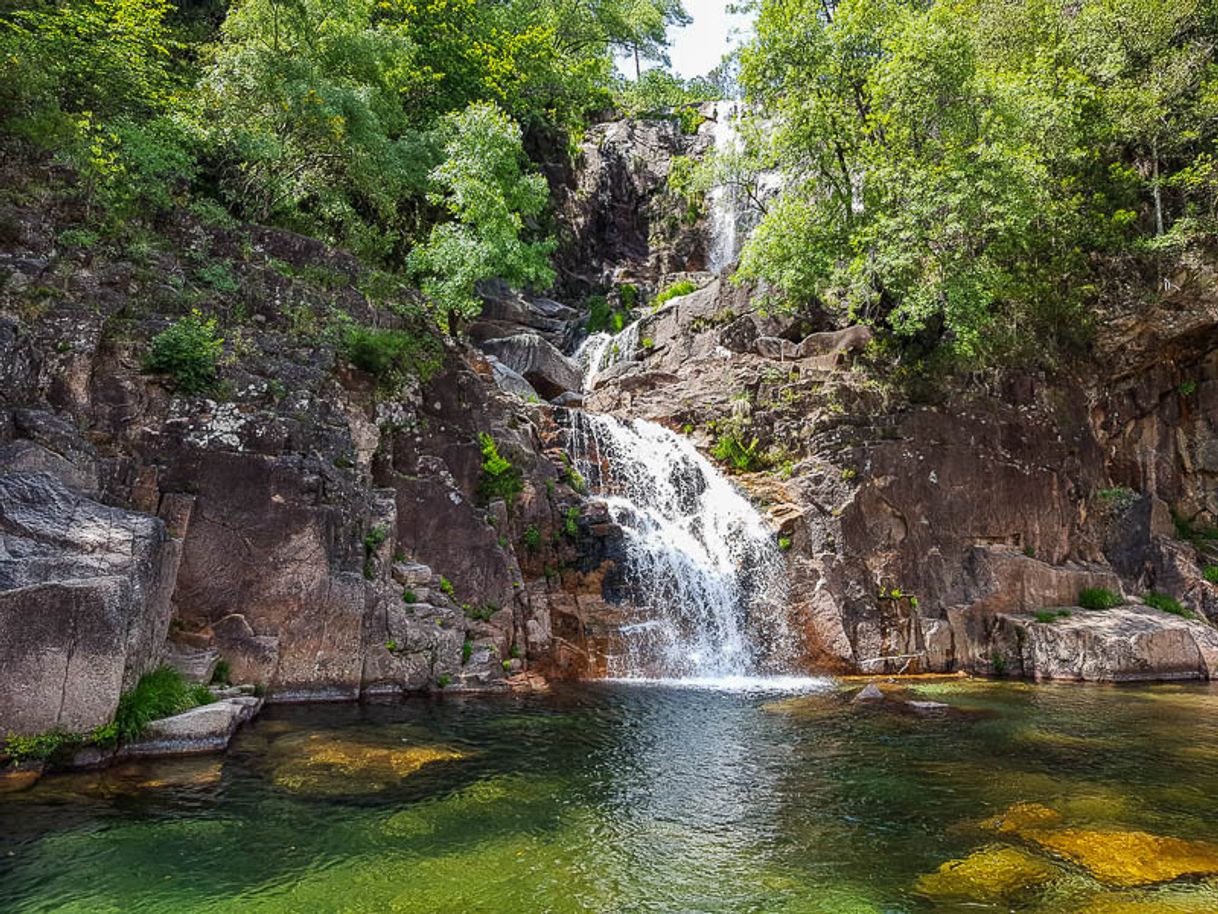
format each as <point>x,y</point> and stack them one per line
<point>444,681</point>
<point>734,451</point>
<point>998,663</point>
<point>1210,573</point>
<point>676,290</point>
<point>964,174</point>
<point>392,356</point>
<point>41,747</point>
<point>1098,598</point>
<point>160,693</point>
<point>1163,602</point>
<point>532,538</point>
<point>223,673</point>
<point>188,351</point>
<point>480,613</point>
<point>1051,615</point>
<point>372,542</point>
<point>500,479</point>
<point>467,650</point>
<point>573,477</point>
<point>1116,493</point>
<point>784,543</point>
<point>446,586</point>
<point>395,129</point>
<point>571,523</point>
<point>409,596</point>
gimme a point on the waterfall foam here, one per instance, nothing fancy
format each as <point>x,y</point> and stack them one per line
<point>599,351</point>
<point>706,580</point>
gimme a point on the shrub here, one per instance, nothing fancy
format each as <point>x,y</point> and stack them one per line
<point>732,450</point>
<point>444,681</point>
<point>392,357</point>
<point>481,613</point>
<point>1163,602</point>
<point>628,292</point>
<point>467,650</point>
<point>784,543</point>
<point>408,596</point>
<point>500,479</point>
<point>189,351</point>
<point>571,524</point>
<point>161,693</point>
<point>218,275</point>
<point>372,542</point>
<point>676,290</point>
<point>1098,598</point>
<point>532,537</point>
<point>41,747</point>
<point>1046,615</point>
<point>999,664</point>
<point>1211,573</point>
<point>446,586</point>
<point>573,477</point>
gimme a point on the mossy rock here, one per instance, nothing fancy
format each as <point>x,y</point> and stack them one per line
<point>994,873</point>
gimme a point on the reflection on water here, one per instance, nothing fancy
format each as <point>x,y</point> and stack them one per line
<point>646,798</point>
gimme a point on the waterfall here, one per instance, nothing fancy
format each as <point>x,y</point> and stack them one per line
<point>726,203</point>
<point>601,350</point>
<point>706,580</point>
<point>734,213</point>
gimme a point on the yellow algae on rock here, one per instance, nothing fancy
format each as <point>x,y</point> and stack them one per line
<point>323,764</point>
<point>1023,816</point>
<point>1129,858</point>
<point>990,874</point>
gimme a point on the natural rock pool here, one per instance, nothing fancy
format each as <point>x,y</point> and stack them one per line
<point>614,798</point>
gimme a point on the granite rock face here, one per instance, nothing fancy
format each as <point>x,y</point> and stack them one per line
<point>918,530</point>
<point>84,603</point>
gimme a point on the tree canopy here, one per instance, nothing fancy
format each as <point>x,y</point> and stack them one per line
<point>395,128</point>
<point>963,172</point>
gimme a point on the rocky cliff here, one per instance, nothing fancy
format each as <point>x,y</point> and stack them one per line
<point>327,536</point>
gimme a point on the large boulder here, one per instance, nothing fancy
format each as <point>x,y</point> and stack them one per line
<point>84,603</point>
<point>549,371</point>
<point>1127,643</point>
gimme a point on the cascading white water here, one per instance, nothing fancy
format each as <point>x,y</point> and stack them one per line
<point>725,201</point>
<point>734,211</point>
<point>598,351</point>
<point>706,580</point>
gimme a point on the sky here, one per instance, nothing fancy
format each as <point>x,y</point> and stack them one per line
<point>698,47</point>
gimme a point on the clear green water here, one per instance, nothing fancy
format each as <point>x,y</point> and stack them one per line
<point>609,798</point>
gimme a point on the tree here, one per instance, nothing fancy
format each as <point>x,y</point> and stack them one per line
<point>483,187</point>
<point>958,172</point>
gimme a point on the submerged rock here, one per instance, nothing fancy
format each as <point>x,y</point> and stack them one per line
<point>990,874</point>
<point>319,763</point>
<point>1129,858</point>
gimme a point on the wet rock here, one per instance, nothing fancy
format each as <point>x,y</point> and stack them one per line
<point>1023,816</point>
<point>869,692</point>
<point>207,728</point>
